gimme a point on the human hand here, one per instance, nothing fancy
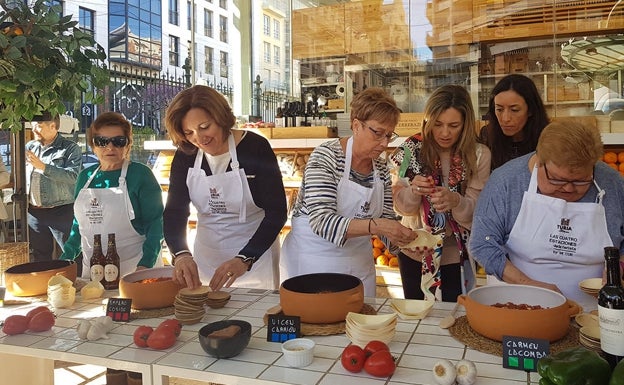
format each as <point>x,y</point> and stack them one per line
<point>185,272</point>
<point>422,185</point>
<point>396,232</point>
<point>34,160</point>
<point>444,200</point>
<point>226,274</point>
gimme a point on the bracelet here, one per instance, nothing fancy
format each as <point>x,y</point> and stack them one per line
<point>178,255</point>
<point>369,225</point>
<point>181,252</point>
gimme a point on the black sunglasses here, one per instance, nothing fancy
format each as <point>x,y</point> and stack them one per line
<point>117,141</point>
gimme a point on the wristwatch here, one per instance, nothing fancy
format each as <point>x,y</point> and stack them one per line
<point>248,260</point>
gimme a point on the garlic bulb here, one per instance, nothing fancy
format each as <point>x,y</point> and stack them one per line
<point>466,372</point>
<point>83,328</point>
<point>444,372</point>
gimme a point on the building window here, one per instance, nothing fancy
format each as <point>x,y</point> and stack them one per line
<point>190,16</point>
<point>85,21</point>
<point>207,23</point>
<point>223,29</point>
<point>174,12</point>
<point>174,50</point>
<point>52,3</point>
<point>276,29</point>
<point>209,54</point>
<point>276,54</point>
<point>267,25</point>
<point>267,52</point>
<point>223,64</point>
<point>223,4</point>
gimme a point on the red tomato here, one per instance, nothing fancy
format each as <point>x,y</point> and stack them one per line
<point>353,358</point>
<point>380,364</point>
<point>375,346</point>
<point>15,324</point>
<point>161,339</point>
<point>172,324</point>
<point>42,321</point>
<point>141,334</point>
<point>37,310</point>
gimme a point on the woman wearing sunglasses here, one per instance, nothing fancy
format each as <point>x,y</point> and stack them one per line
<point>345,197</point>
<point>116,196</point>
<point>540,219</point>
<point>233,180</point>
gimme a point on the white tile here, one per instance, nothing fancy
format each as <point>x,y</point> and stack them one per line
<point>351,379</point>
<point>94,349</point>
<point>57,344</point>
<point>291,376</point>
<point>143,356</point>
<point>236,368</point>
<point>189,361</point>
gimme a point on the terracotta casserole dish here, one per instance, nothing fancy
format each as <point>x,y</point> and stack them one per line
<point>321,297</point>
<point>31,279</point>
<point>551,322</point>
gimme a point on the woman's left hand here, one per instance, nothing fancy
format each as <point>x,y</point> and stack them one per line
<point>444,200</point>
<point>226,274</point>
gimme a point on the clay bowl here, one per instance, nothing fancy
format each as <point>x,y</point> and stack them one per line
<point>321,298</point>
<point>152,295</point>
<point>31,279</point>
<point>550,323</point>
<point>228,345</point>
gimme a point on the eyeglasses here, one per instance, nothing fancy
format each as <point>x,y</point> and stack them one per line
<point>117,141</point>
<point>559,182</point>
<point>380,134</point>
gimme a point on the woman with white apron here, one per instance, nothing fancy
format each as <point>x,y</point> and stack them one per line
<point>552,236</point>
<point>227,217</point>
<point>304,252</point>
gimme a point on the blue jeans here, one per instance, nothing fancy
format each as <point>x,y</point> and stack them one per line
<point>46,226</point>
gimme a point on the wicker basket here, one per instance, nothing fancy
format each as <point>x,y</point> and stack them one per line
<point>12,254</point>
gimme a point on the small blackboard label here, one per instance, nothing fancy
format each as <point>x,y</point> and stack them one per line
<point>119,309</point>
<point>281,327</point>
<point>523,353</point>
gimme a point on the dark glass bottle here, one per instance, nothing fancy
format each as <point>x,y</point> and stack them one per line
<point>97,260</point>
<point>287,113</point>
<point>611,309</point>
<point>111,267</point>
<point>299,114</point>
<point>279,117</point>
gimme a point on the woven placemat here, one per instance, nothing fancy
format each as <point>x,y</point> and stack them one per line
<point>151,313</point>
<point>462,331</point>
<point>308,329</point>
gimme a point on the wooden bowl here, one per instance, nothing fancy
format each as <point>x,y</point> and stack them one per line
<point>550,323</point>
<point>321,297</point>
<point>151,295</point>
<point>31,279</point>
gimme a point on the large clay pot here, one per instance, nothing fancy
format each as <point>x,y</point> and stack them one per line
<point>31,279</point>
<point>321,297</point>
<point>550,323</point>
<point>152,295</point>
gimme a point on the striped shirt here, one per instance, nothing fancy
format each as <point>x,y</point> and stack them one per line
<point>317,196</point>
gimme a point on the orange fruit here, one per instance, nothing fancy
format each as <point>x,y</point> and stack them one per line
<point>621,166</point>
<point>621,172</point>
<point>613,166</point>
<point>377,252</point>
<point>382,260</point>
<point>378,243</point>
<point>387,253</point>
<point>621,156</point>
<point>393,262</point>
<point>610,157</point>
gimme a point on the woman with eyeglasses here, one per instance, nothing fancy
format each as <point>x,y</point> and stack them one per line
<point>540,219</point>
<point>345,197</point>
<point>116,196</point>
<point>445,171</point>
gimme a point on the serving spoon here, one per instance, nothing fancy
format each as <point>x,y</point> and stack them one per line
<point>449,320</point>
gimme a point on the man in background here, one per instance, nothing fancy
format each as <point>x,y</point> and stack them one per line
<point>52,167</point>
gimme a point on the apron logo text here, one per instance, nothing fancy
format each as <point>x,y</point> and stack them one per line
<point>564,226</point>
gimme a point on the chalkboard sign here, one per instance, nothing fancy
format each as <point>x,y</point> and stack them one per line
<point>119,309</point>
<point>523,353</point>
<point>281,327</point>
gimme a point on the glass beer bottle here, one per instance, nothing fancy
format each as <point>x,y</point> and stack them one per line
<point>111,266</point>
<point>97,260</point>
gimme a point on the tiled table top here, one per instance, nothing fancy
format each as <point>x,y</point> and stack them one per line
<point>417,345</point>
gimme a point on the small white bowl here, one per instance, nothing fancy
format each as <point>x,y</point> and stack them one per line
<point>298,352</point>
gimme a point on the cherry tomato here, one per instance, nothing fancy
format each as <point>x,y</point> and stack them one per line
<point>172,324</point>
<point>375,346</point>
<point>141,334</point>
<point>380,364</point>
<point>42,321</point>
<point>353,358</point>
<point>15,324</point>
<point>161,339</point>
<point>37,310</point>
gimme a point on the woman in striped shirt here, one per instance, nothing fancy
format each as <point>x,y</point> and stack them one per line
<point>336,211</point>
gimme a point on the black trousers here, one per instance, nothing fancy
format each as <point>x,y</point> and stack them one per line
<point>411,278</point>
<point>46,226</point>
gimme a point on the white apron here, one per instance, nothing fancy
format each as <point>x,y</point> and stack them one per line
<point>560,242</point>
<point>227,217</point>
<point>104,211</point>
<point>304,252</point>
